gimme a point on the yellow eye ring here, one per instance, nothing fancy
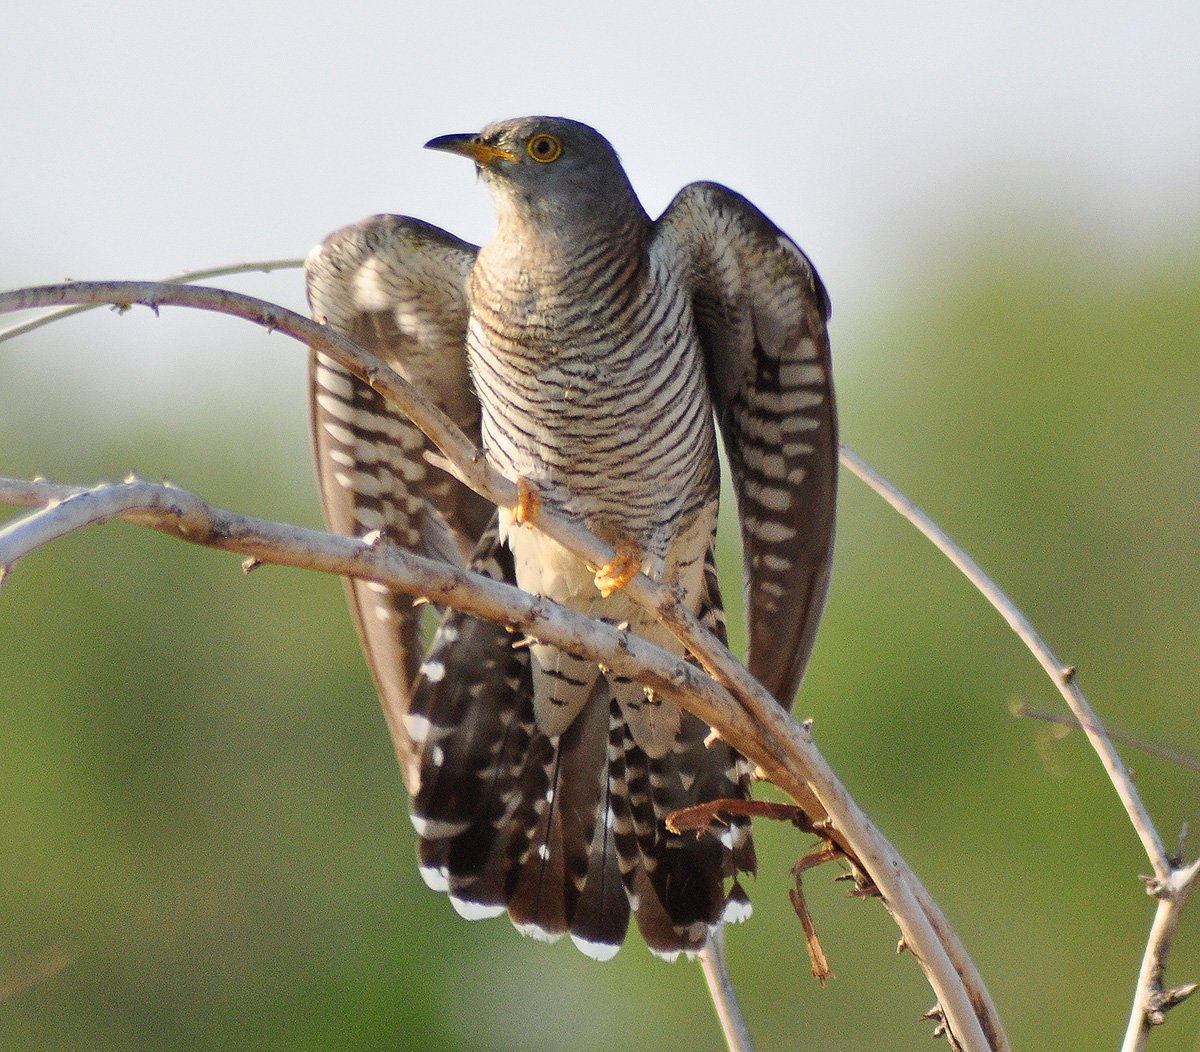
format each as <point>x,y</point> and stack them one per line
<point>544,148</point>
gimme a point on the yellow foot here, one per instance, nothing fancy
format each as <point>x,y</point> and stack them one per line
<point>621,570</point>
<point>528,503</point>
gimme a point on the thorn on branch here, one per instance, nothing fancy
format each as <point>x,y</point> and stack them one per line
<point>1067,672</point>
<point>1163,1001</point>
<point>935,1013</point>
<point>827,852</point>
<point>1156,887</point>
<point>864,886</point>
<point>942,1029</point>
<point>622,628</point>
<point>1179,994</point>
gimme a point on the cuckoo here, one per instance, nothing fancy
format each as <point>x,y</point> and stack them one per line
<point>593,353</point>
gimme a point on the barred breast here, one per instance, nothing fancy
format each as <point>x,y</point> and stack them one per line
<point>590,378</point>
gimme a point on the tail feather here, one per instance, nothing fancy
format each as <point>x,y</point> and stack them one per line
<point>561,883</point>
<point>478,860</point>
<point>565,832</point>
<point>472,718</point>
<point>537,902</point>
<point>681,893</point>
<point>601,914</point>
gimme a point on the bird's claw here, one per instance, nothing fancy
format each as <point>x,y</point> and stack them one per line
<point>529,503</point>
<point>621,569</point>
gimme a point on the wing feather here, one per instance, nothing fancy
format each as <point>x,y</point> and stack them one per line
<point>761,312</point>
<point>398,287</point>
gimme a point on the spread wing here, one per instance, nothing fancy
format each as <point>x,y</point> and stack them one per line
<point>398,287</point>
<point>761,312</point>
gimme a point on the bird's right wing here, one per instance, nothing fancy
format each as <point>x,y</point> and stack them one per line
<point>398,287</point>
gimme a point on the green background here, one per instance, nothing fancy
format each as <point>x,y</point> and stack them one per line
<point>204,840</point>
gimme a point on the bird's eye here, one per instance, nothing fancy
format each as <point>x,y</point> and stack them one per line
<point>544,147</point>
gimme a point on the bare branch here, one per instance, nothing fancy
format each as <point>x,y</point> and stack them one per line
<point>755,725</point>
<point>1171,883</point>
<point>184,515</point>
<point>1153,1000</point>
<point>722,993</point>
<point>258,266</point>
<point>1062,675</point>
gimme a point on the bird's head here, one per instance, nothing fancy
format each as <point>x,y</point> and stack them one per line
<point>546,170</point>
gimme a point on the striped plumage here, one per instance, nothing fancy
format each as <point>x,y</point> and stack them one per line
<point>599,344</point>
<point>399,286</point>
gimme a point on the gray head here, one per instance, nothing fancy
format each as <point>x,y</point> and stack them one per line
<point>548,170</point>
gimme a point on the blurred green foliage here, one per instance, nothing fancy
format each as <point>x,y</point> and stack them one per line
<point>203,837</point>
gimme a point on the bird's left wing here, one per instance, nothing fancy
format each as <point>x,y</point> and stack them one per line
<point>398,287</point>
<point>761,313</point>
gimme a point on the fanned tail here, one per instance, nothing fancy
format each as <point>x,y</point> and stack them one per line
<point>565,833</point>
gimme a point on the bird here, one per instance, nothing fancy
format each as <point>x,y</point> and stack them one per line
<point>593,354</point>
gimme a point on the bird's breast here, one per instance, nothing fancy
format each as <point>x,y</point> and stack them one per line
<point>591,383</point>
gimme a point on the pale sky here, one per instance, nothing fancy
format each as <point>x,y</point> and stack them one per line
<point>140,139</point>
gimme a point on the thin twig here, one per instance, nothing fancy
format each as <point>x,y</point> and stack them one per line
<point>258,266</point>
<point>182,514</point>
<point>819,963</point>
<point>775,742</point>
<point>722,993</point>
<point>1152,1000</point>
<point>1062,675</point>
<point>1171,883</point>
